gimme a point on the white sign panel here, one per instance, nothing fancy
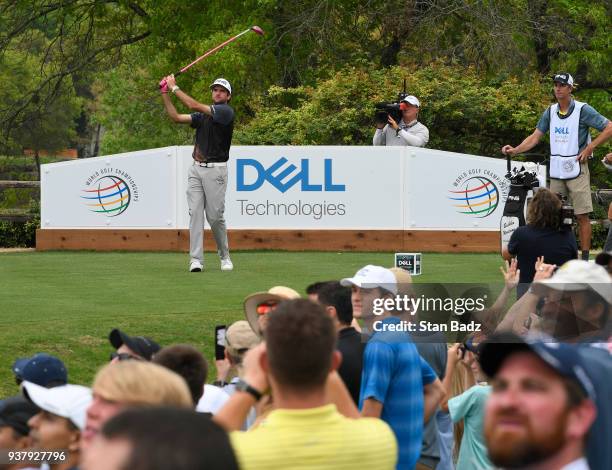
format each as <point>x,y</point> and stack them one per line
<point>131,190</point>
<point>446,190</point>
<point>283,187</point>
<point>274,187</point>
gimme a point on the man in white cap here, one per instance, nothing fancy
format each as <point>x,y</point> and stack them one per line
<point>568,122</point>
<point>207,177</point>
<point>58,426</point>
<point>409,131</point>
<point>577,300</point>
<point>397,385</point>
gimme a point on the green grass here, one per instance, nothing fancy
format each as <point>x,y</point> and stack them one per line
<point>66,303</point>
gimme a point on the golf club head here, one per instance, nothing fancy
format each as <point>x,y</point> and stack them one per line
<point>257,30</point>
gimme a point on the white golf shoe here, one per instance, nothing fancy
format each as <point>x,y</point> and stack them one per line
<point>195,266</point>
<point>226,264</point>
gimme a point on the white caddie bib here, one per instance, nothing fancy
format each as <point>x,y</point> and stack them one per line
<point>564,144</point>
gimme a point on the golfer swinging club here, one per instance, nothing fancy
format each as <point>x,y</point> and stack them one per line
<point>207,177</point>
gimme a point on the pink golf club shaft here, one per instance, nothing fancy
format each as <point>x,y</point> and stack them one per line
<point>255,29</point>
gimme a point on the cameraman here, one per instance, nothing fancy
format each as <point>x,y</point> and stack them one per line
<point>543,235</point>
<point>409,131</point>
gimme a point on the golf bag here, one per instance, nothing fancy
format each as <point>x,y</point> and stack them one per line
<point>522,187</point>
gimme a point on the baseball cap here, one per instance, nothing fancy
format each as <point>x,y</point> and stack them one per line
<point>564,78</point>
<point>371,276</point>
<point>141,345</point>
<point>564,358</point>
<point>16,412</point>
<point>42,369</point>
<point>240,337</point>
<point>275,294</point>
<point>578,275</point>
<point>68,401</point>
<point>224,83</point>
<point>413,100</point>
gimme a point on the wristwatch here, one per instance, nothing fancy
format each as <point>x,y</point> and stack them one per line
<point>242,386</point>
<point>175,88</point>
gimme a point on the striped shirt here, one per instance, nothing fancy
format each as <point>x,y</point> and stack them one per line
<point>394,375</point>
<point>316,439</point>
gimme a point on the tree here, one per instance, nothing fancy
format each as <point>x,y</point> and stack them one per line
<point>46,123</point>
<point>81,35</point>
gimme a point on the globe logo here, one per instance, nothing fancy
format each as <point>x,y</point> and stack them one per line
<point>110,195</point>
<point>480,197</point>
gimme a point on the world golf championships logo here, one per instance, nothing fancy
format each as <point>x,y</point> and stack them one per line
<point>110,194</point>
<point>479,197</point>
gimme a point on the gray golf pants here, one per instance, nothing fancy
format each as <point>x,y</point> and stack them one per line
<point>206,193</point>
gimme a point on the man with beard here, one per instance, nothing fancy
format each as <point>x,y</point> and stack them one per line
<point>541,406</point>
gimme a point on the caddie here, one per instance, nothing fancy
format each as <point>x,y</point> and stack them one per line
<point>568,121</point>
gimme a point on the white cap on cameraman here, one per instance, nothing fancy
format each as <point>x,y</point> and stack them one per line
<point>224,83</point>
<point>413,100</point>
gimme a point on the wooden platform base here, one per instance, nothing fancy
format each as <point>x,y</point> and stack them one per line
<point>290,240</point>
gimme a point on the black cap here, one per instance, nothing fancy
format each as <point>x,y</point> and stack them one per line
<point>16,412</point>
<point>563,358</point>
<point>141,345</point>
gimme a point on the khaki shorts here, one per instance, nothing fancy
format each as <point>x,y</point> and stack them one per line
<point>578,189</point>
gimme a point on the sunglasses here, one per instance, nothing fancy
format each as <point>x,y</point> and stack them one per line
<point>266,307</point>
<point>123,357</point>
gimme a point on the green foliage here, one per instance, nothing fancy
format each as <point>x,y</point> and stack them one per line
<point>582,39</point>
<point>472,115</point>
<point>21,234</point>
<point>34,124</point>
<point>476,65</point>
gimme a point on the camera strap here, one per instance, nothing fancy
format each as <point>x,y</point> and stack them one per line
<point>405,126</point>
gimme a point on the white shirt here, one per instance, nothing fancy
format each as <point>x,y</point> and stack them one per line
<point>213,399</point>
<point>414,134</point>
<point>580,464</point>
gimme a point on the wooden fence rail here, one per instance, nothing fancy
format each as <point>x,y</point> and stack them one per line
<point>19,184</point>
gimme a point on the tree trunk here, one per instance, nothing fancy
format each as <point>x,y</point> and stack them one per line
<point>37,158</point>
<point>389,53</point>
<point>537,9</point>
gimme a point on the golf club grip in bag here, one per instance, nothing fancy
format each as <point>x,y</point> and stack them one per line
<point>522,184</point>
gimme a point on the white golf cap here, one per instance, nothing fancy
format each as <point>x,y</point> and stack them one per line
<point>224,83</point>
<point>578,275</point>
<point>371,276</point>
<point>413,100</point>
<point>68,401</point>
<point>564,78</point>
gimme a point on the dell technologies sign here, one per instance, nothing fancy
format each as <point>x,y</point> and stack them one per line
<point>252,175</point>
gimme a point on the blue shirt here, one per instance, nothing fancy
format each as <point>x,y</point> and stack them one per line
<point>394,374</point>
<point>597,362</point>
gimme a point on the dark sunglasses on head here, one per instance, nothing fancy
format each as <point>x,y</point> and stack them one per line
<point>266,307</point>
<point>123,357</point>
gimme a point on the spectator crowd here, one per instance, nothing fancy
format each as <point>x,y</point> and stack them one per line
<point>324,382</point>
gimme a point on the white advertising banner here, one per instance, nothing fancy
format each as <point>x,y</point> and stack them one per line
<point>315,188</point>
<point>454,190</point>
<point>445,189</point>
<point>131,190</point>
<point>283,187</point>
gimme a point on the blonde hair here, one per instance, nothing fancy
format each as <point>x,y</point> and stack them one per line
<point>459,384</point>
<point>141,383</point>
